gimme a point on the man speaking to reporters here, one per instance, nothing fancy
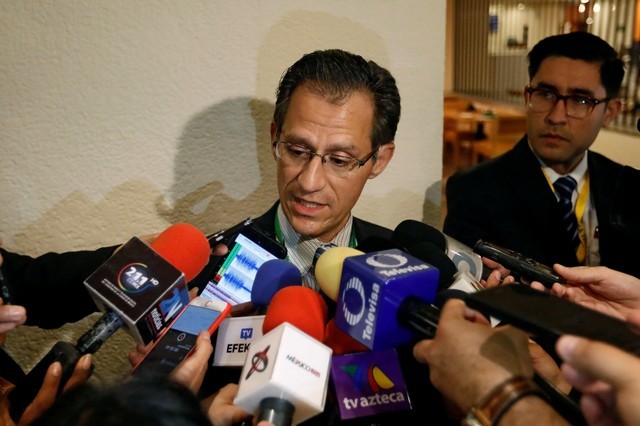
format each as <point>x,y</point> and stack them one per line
<point>333,128</point>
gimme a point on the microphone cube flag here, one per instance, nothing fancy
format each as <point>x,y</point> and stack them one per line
<point>369,383</point>
<point>139,285</point>
<point>235,336</point>
<point>372,287</point>
<point>286,363</point>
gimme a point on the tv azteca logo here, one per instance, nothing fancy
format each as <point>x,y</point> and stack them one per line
<point>372,375</point>
<point>370,379</point>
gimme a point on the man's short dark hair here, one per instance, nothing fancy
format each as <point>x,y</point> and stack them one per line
<point>583,46</point>
<point>336,74</point>
<point>146,400</point>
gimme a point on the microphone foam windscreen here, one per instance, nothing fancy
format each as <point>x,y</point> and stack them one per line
<point>185,247</point>
<point>328,269</point>
<point>299,306</point>
<point>339,341</point>
<point>411,231</point>
<point>429,253</point>
<point>272,276</point>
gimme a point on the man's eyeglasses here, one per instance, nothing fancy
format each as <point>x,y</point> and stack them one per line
<point>576,106</point>
<point>339,165</point>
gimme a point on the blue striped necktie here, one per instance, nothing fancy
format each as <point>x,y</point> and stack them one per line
<point>564,187</point>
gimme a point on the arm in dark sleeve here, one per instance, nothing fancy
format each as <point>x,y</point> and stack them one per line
<point>51,286</point>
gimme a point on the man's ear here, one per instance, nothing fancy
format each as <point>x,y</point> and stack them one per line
<point>385,154</point>
<point>613,107</point>
<point>272,131</point>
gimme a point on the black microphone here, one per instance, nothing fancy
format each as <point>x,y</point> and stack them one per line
<point>411,231</point>
<point>429,253</point>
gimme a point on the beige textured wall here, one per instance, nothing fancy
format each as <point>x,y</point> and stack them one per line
<point>118,118</point>
<point>621,147</point>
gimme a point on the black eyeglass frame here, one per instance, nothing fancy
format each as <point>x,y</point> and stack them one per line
<point>592,101</point>
<point>359,162</point>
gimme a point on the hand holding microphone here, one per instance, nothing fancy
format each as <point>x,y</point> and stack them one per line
<point>285,377</point>
<point>140,287</point>
<point>10,316</point>
<point>395,315</point>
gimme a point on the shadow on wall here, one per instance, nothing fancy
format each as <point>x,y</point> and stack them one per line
<point>218,152</point>
<point>216,181</point>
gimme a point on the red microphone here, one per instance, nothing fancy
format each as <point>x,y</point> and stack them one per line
<point>339,341</point>
<point>185,247</point>
<point>300,307</point>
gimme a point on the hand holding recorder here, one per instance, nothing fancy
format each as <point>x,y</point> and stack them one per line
<point>600,288</point>
<point>179,340</point>
<point>468,360</point>
<point>524,269</point>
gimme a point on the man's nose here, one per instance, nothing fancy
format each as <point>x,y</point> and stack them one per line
<point>558,113</point>
<point>313,177</point>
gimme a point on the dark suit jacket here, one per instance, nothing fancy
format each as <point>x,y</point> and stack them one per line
<point>428,408</point>
<point>507,201</point>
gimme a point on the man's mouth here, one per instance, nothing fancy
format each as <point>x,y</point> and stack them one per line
<point>308,204</point>
<point>554,136</point>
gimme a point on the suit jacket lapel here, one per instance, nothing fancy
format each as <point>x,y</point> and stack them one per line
<point>532,191</point>
<point>530,186</point>
<point>601,183</point>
